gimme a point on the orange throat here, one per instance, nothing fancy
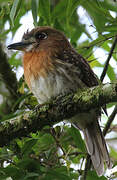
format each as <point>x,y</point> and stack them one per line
<point>36,64</point>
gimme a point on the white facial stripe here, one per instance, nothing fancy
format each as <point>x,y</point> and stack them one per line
<point>29,47</point>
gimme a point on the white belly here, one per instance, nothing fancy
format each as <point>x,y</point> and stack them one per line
<point>55,83</point>
<point>46,88</point>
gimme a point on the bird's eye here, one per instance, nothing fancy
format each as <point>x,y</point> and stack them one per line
<point>40,35</point>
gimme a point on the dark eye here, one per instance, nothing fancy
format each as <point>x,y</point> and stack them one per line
<point>40,35</point>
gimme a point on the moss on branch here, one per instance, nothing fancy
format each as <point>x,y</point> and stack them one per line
<point>62,107</point>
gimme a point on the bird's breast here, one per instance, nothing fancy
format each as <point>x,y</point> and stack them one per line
<point>44,88</point>
<point>36,64</point>
<point>56,82</point>
<point>48,77</point>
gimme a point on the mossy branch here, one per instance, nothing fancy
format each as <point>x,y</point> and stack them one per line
<point>62,107</point>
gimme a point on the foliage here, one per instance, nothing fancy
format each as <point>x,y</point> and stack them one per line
<point>54,152</point>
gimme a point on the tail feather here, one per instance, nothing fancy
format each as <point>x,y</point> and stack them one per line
<point>96,147</point>
<point>92,148</point>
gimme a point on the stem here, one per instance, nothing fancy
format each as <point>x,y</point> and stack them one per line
<point>108,59</point>
<point>110,120</point>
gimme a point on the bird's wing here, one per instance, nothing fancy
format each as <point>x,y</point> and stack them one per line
<point>87,76</point>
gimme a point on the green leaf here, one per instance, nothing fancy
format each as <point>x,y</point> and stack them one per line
<point>14,10</point>
<point>105,46</point>
<point>71,6</point>
<point>53,174</point>
<point>44,11</point>
<point>110,28</point>
<point>58,10</point>
<point>31,175</point>
<point>27,148</point>
<point>87,52</point>
<point>113,153</point>
<point>45,142</point>
<point>5,154</point>
<point>111,74</point>
<point>29,165</point>
<point>91,175</point>
<point>111,105</point>
<point>12,171</point>
<point>109,5</point>
<point>78,139</point>
<point>14,61</point>
<point>95,63</point>
<point>34,5</point>
<point>98,14</point>
<point>100,40</point>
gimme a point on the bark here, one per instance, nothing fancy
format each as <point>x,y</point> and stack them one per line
<point>60,108</point>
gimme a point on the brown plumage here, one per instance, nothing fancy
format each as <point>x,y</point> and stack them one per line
<point>52,66</point>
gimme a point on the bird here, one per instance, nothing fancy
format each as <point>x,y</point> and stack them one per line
<point>52,67</point>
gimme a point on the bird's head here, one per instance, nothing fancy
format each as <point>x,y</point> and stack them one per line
<point>41,38</point>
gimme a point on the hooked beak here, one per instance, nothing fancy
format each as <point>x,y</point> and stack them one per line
<point>19,46</point>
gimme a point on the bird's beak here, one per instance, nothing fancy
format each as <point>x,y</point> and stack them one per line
<point>19,46</point>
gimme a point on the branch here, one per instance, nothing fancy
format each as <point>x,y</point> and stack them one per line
<point>110,120</point>
<point>95,42</point>
<point>8,76</point>
<point>63,107</point>
<point>108,59</point>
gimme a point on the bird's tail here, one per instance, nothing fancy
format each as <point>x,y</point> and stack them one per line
<point>96,147</point>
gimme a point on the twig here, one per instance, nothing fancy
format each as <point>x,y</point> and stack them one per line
<point>110,120</point>
<point>53,133</point>
<point>87,166</point>
<point>108,59</point>
<point>77,153</point>
<point>94,44</point>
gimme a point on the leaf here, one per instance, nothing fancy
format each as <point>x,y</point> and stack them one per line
<point>110,28</point>
<point>110,5</point>
<point>34,6</point>
<point>101,39</point>
<point>29,175</point>
<point>53,174</point>
<point>45,142</point>
<point>44,11</point>
<point>78,139</point>
<point>58,10</point>
<point>87,52</point>
<point>113,153</point>
<point>98,14</point>
<point>105,46</point>
<point>14,10</point>
<point>71,6</point>
<point>111,105</point>
<point>5,154</point>
<point>91,175</point>
<point>12,171</point>
<point>111,74</point>
<point>14,61</point>
<point>95,63</point>
<point>27,148</point>
<point>29,164</point>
